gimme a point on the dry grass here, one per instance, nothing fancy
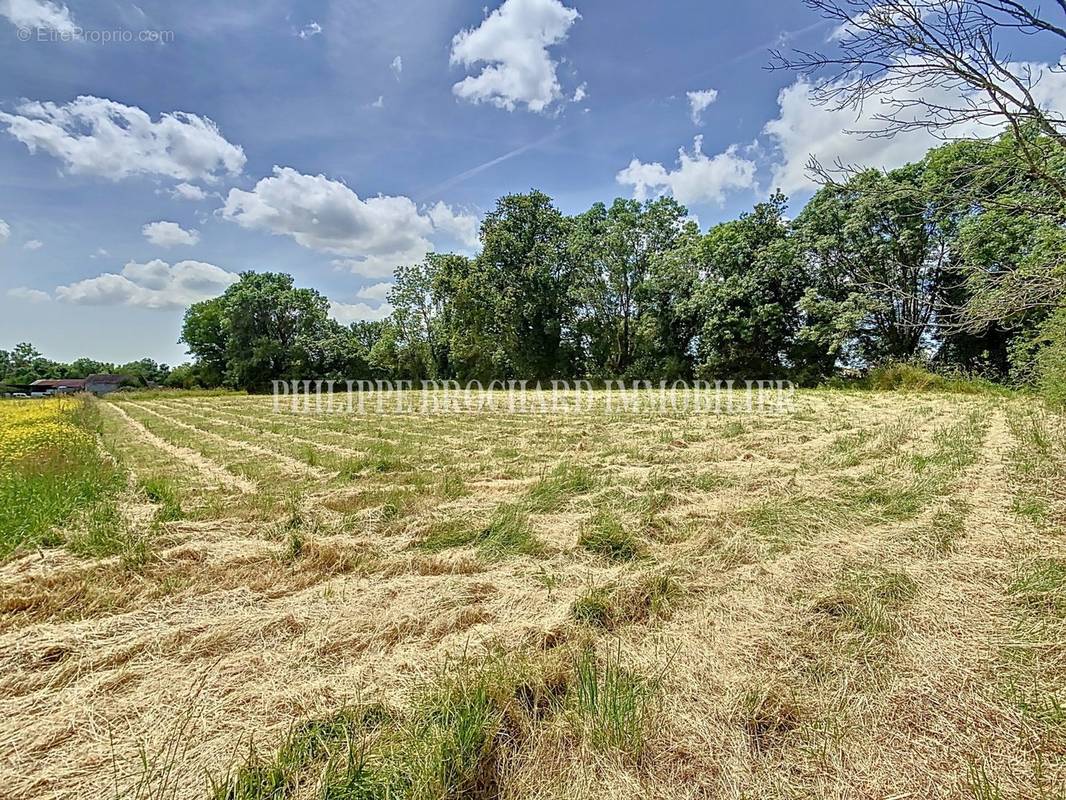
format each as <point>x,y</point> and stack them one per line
<point>864,598</point>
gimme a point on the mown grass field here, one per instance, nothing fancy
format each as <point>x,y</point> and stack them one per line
<point>864,597</point>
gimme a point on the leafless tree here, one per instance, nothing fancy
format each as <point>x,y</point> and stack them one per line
<point>940,66</point>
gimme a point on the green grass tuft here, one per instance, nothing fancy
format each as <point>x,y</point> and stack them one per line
<point>607,535</point>
<point>161,493</point>
<point>615,707</point>
<point>553,490</point>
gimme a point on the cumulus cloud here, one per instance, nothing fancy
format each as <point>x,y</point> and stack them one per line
<point>581,92</point>
<point>28,295</point>
<point>309,30</point>
<point>33,244</point>
<point>803,129</point>
<point>379,291</point>
<point>5,231</point>
<point>513,44</point>
<point>94,136</point>
<point>697,179</point>
<point>156,285</point>
<point>39,14</point>
<point>379,103</point>
<point>325,215</point>
<point>461,227</point>
<point>397,66</point>
<point>186,191</point>
<point>698,102</point>
<point>375,235</point>
<point>347,313</point>
<point>169,234</point>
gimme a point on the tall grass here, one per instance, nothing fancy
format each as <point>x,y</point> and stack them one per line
<point>903,376</point>
<point>460,735</point>
<point>52,472</point>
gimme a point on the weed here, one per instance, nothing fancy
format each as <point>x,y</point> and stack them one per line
<point>161,492</point>
<point>769,714</point>
<point>653,595</point>
<point>864,602</point>
<point>508,533</point>
<point>1041,586</point>
<point>607,535</point>
<point>615,707</point>
<point>553,490</point>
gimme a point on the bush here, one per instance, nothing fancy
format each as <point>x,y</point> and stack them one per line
<point>1051,360</point>
<point>909,377</point>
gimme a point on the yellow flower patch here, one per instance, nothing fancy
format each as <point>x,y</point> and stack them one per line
<point>28,427</point>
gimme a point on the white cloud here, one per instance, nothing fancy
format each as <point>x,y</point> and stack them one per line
<point>379,103</point>
<point>804,129</point>
<point>186,191</point>
<point>581,92</point>
<point>379,291</point>
<point>33,244</point>
<point>169,234</point>
<point>155,285</point>
<point>374,235</point>
<point>39,14</point>
<point>5,231</point>
<point>461,227</point>
<point>397,66</point>
<point>323,214</point>
<point>309,30</point>
<point>697,179</point>
<point>513,43</point>
<point>28,295</point>
<point>698,102</point>
<point>94,136</point>
<point>347,313</point>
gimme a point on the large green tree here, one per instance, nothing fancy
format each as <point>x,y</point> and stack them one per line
<point>613,250</point>
<point>877,257</point>
<point>518,290</point>
<point>262,328</point>
<point>752,282</point>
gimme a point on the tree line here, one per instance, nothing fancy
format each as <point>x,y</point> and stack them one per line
<point>24,364</point>
<point>954,261</point>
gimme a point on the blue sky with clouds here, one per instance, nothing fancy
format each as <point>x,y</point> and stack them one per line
<point>333,139</point>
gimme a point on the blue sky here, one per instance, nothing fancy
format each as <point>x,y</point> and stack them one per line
<point>334,138</point>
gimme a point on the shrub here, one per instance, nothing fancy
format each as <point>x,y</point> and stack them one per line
<point>909,377</point>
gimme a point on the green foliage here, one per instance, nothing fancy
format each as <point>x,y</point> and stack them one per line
<point>460,733</point>
<point>609,536</point>
<point>47,497</point>
<point>508,533</point>
<point>747,302</point>
<point>902,376</point>
<point>564,481</point>
<point>161,493</point>
<point>955,261</point>
<point>614,706</point>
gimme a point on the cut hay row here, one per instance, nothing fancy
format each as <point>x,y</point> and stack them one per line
<point>205,466</point>
<point>235,420</point>
<point>290,464</point>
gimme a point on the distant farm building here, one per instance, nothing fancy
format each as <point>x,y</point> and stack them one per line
<point>59,386</point>
<point>105,384</point>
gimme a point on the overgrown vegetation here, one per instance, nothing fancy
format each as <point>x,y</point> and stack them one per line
<point>54,477</point>
<point>460,735</point>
